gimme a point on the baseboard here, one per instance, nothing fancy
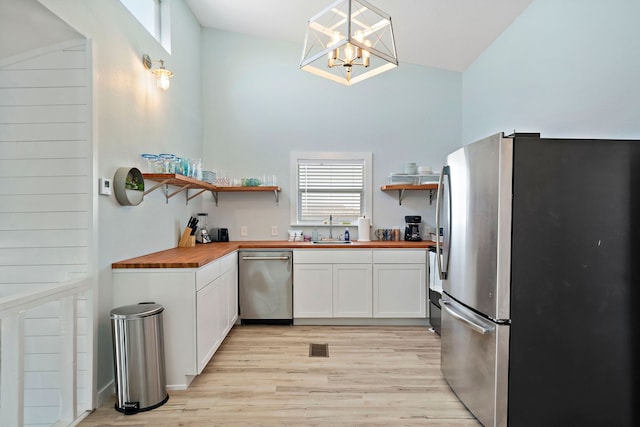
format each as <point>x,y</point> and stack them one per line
<point>105,393</point>
<point>361,322</point>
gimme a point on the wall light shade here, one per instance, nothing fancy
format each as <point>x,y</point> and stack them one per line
<point>348,42</point>
<point>161,73</point>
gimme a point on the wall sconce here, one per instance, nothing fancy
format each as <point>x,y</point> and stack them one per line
<point>162,74</point>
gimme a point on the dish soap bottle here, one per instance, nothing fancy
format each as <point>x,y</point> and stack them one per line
<point>346,234</point>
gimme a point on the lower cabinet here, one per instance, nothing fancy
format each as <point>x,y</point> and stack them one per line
<point>201,306</point>
<point>353,283</point>
<point>352,296</point>
<point>208,334</point>
<point>400,284</point>
<point>332,290</point>
<point>399,290</point>
<point>312,290</point>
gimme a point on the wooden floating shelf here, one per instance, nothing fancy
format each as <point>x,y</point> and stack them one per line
<point>185,183</point>
<point>401,188</point>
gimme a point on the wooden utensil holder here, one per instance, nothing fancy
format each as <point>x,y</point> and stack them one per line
<point>187,240</point>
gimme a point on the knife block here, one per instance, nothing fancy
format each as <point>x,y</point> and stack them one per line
<point>187,240</point>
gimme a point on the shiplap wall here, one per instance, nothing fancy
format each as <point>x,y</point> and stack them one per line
<point>46,186</point>
<point>45,165</point>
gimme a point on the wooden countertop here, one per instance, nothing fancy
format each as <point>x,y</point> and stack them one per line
<point>202,254</point>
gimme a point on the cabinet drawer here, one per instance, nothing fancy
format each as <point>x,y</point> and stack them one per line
<point>207,274</point>
<point>228,262</point>
<point>328,256</point>
<point>399,256</point>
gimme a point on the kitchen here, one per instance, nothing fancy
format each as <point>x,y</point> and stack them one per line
<point>245,105</point>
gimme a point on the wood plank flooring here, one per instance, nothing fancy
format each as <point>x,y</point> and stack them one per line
<point>263,376</point>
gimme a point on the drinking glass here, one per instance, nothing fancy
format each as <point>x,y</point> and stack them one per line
<point>149,161</point>
<point>167,160</point>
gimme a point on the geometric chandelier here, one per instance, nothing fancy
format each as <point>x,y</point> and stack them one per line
<point>349,41</point>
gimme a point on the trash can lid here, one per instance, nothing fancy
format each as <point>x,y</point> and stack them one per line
<point>135,311</point>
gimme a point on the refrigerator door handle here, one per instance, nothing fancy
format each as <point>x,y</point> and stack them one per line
<point>443,267</point>
<point>476,326</point>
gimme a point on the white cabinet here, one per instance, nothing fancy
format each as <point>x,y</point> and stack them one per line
<point>214,313</point>
<point>200,309</point>
<point>354,283</point>
<point>332,283</point>
<point>207,331</point>
<point>352,293</point>
<point>230,276</point>
<point>400,284</point>
<point>312,290</point>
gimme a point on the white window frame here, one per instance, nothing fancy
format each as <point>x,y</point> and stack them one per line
<point>154,16</point>
<point>295,157</point>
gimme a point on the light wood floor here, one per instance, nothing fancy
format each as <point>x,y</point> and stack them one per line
<point>263,376</point>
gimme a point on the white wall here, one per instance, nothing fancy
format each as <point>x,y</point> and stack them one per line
<point>564,69</point>
<point>27,25</point>
<point>258,107</point>
<point>132,116</point>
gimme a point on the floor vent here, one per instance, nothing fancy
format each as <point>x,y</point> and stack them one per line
<point>318,350</point>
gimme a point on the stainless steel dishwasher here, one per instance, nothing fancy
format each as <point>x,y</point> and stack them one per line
<point>265,286</point>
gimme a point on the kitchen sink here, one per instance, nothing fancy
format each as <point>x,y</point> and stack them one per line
<point>332,242</point>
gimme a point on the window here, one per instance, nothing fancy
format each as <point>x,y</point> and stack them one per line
<point>154,16</point>
<point>336,184</point>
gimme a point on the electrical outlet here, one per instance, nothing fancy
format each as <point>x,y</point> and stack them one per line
<point>243,230</point>
<point>274,230</point>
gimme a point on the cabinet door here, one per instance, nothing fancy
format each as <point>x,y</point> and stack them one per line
<point>352,293</point>
<point>399,290</point>
<point>207,323</point>
<point>232,300</point>
<point>312,290</point>
<point>223,307</point>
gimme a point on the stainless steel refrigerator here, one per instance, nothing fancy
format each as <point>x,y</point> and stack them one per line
<point>540,261</point>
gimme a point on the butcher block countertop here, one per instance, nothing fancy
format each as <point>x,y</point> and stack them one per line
<point>202,254</point>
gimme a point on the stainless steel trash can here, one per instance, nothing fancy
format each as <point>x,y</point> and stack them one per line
<point>138,357</point>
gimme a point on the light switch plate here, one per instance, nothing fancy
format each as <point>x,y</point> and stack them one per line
<point>105,186</point>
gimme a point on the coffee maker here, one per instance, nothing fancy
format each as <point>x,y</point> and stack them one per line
<point>412,230</point>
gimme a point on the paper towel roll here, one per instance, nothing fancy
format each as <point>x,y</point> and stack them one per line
<point>364,226</point>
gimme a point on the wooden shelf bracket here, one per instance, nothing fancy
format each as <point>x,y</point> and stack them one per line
<point>158,185</point>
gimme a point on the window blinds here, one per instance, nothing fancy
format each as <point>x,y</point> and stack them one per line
<point>330,187</point>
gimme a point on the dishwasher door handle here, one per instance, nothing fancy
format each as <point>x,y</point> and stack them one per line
<point>266,258</point>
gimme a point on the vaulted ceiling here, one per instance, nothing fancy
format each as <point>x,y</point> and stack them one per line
<point>447,34</point>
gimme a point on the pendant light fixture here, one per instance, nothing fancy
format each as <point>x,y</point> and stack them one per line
<point>162,74</point>
<point>348,42</point>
